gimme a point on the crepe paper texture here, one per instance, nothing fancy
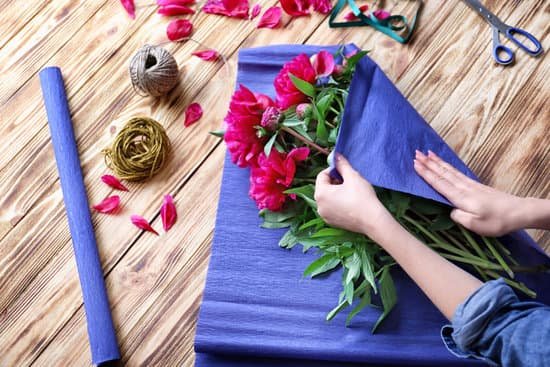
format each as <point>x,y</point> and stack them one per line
<point>101,332</point>
<point>257,307</point>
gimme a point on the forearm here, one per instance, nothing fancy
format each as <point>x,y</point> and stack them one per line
<point>534,213</point>
<point>445,284</point>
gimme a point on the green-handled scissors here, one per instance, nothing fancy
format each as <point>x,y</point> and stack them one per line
<point>395,26</point>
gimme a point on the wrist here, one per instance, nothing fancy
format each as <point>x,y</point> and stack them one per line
<point>535,213</point>
<point>379,225</point>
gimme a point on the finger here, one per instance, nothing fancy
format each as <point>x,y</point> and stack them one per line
<point>467,220</point>
<point>453,171</point>
<point>344,167</point>
<point>323,178</point>
<point>439,169</point>
<point>439,183</point>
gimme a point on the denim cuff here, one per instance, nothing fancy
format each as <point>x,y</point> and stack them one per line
<point>472,317</point>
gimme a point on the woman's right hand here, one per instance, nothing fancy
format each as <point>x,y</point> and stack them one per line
<point>481,208</point>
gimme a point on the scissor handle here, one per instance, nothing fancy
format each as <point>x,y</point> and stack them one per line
<point>511,34</point>
<point>394,22</point>
<point>499,50</point>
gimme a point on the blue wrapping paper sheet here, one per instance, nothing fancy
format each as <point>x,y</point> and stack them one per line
<point>257,309</point>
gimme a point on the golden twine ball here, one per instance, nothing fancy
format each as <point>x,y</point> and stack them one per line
<point>139,150</point>
<point>153,71</point>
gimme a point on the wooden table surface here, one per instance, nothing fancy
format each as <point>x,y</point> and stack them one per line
<point>496,118</point>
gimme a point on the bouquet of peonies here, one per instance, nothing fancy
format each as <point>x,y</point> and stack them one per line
<point>286,142</point>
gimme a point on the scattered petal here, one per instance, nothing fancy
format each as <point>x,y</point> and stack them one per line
<point>271,18</point>
<point>179,29</point>
<point>381,14</point>
<point>351,17</point>
<point>323,63</point>
<point>114,182</point>
<point>171,10</point>
<point>322,6</point>
<point>168,213</point>
<point>175,2</point>
<point>108,205</point>
<point>207,55</point>
<point>129,7</point>
<point>255,11</point>
<point>229,8</point>
<point>296,8</point>
<point>193,113</point>
<point>142,223</point>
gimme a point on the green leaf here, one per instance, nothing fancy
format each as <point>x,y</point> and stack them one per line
<point>305,192</point>
<point>365,301</point>
<point>331,232</point>
<point>311,223</point>
<point>352,61</point>
<point>300,129</point>
<point>293,122</point>
<point>321,131</point>
<point>218,133</point>
<point>442,222</point>
<point>333,134</point>
<point>366,267</point>
<point>353,265</point>
<point>303,86</point>
<point>289,240</point>
<point>321,265</point>
<point>401,202</point>
<point>324,103</point>
<point>275,225</point>
<point>269,144</point>
<point>348,288</point>
<point>388,295</point>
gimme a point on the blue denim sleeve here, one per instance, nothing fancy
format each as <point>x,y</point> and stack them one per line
<point>495,326</point>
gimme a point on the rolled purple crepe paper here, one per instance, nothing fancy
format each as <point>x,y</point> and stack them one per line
<point>101,332</point>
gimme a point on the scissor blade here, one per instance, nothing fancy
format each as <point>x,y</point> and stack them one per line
<point>489,17</point>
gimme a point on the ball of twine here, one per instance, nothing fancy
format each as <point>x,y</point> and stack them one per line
<point>153,71</point>
<point>139,150</point>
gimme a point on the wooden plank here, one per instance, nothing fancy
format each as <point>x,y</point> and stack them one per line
<point>14,18</point>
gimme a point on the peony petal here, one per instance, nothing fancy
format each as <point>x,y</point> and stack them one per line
<point>179,29</point>
<point>323,63</point>
<point>351,17</point>
<point>175,2</point>
<point>271,18</point>
<point>142,223</point>
<point>207,55</point>
<point>296,8</point>
<point>322,6</point>
<point>171,10</point>
<point>229,8</point>
<point>193,113</point>
<point>129,7</point>
<point>381,14</point>
<point>168,213</point>
<point>255,11</point>
<point>108,205</point>
<point>114,182</point>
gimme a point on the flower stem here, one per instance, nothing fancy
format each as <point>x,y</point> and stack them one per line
<point>305,140</point>
<point>497,256</point>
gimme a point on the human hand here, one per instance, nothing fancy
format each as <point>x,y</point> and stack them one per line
<point>352,204</point>
<point>480,208</point>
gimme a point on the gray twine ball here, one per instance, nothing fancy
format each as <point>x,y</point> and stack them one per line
<point>153,71</point>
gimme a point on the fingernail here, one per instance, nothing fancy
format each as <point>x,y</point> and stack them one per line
<point>430,153</point>
<point>417,153</point>
<point>338,156</point>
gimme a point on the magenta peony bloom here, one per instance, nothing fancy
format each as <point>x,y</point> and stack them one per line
<point>245,113</point>
<point>273,175</point>
<point>323,63</point>
<point>287,94</point>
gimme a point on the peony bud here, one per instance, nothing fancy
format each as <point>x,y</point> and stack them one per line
<point>338,70</point>
<point>303,110</point>
<point>271,118</point>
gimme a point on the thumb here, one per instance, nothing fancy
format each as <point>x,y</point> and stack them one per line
<point>464,218</point>
<point>343,166</point>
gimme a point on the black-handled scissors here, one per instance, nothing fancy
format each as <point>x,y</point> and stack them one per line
<point>502,54</point>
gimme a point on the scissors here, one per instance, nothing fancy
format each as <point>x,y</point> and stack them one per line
<point>502,54</point>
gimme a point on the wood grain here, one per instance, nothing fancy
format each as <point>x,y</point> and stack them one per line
<point>496,118</point>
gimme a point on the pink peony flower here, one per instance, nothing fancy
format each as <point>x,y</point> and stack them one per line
<point>245,113</point>
<point>287,94</point>
<point>296,8</point>
<point>270,118</point>
<point>323,63</point>
<point>322,6</point>
<point>303,110</point>
<point>273,175</point>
